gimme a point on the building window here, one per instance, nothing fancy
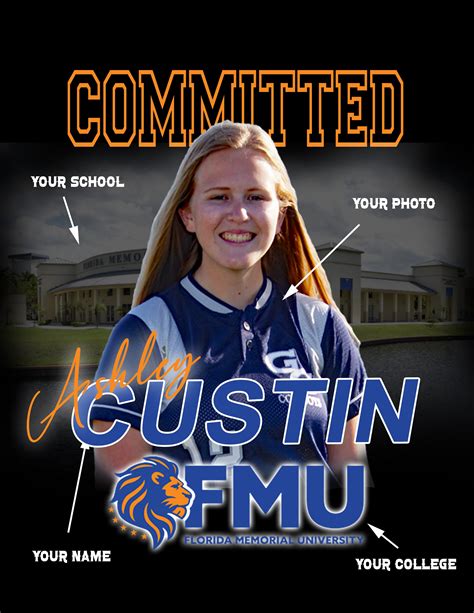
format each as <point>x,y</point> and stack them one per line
<point>126,291</point>
<point>83,294</point>
<point>345,284</point>
<point>110,292</point>
<point>90,293</point>
<point>110,313</point>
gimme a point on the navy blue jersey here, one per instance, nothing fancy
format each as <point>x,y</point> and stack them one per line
<point>270,338</point>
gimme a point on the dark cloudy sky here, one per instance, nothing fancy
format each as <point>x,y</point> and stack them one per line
<point>325,180</point>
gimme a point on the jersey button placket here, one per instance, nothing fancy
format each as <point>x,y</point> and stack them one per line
<point>247,336</point>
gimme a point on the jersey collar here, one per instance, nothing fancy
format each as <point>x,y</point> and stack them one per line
<point>213,303</point>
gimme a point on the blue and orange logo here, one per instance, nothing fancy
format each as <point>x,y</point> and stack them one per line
<point>149,497</point>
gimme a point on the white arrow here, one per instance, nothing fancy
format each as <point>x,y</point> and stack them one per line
<point>293,288</point>
<point>73,229</point>
<point>380,533</point>
<point>85,448</point>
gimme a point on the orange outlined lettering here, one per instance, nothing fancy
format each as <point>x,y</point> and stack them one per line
<point>153,103</point>
<point>386,84</point>
<point>286,81</point>
<point>348,134</point>
<point>119,81</point>
<point>368,105</point>
<point>323,79</point>
<point>210,104</point>
<point>82,82</point>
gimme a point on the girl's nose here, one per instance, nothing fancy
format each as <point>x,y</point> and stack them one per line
<point>237,210</point>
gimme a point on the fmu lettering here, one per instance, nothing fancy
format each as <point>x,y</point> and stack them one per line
<point>375,399</point>
<point>151,497</point>
<point>283,489</point>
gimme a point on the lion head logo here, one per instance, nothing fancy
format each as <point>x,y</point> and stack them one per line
<point>150,496</point>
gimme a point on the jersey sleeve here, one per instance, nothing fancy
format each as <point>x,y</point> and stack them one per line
<point>137,332</point>
<point>342,360</point>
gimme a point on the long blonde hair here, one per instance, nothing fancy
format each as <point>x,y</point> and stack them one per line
<point>172,251</point>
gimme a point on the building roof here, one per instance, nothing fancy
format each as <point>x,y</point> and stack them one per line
<point>436,263</point>
<point>27,256</point>
<point>332,244</point>
<point>59,261</point>
<point>392,285</point>
<point>98,281</point>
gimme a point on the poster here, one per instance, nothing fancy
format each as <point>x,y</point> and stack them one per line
<point>403,274</point>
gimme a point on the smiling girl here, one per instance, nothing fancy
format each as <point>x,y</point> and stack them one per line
<point>225,245</point>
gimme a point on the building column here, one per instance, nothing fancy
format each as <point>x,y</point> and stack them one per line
<point>395,307</point>
<point>454,314</point>
<point>95,315</point>
<point>56,307</point>
<point>420,298</point>
<point>366,307</point>
<point>408,306</point>
<point>118,303</point>
<point>356,297</point>
<point>380,306</point>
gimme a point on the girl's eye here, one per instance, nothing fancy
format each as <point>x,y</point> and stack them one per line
<point>225,197</point>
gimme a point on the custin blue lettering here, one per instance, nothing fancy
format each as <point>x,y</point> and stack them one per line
<point>376,397</point>
<point>118,429</point>
<point>339,409</point>
<point>282,490</point>
<point>240,411</point>
<point>151,430</point>
<point>298,388</point>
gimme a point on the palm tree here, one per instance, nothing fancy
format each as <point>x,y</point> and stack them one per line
<point>80,309</point>
<point>119,312</point>
<point>100,307</point>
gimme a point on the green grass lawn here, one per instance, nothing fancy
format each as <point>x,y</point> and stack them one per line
<point>370,332</point>
<point>43,346</point>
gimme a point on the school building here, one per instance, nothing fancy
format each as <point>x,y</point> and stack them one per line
<point>434,291</point>
<point>100,289</point>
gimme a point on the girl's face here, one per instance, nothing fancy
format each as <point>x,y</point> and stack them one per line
<point>234,210</point>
